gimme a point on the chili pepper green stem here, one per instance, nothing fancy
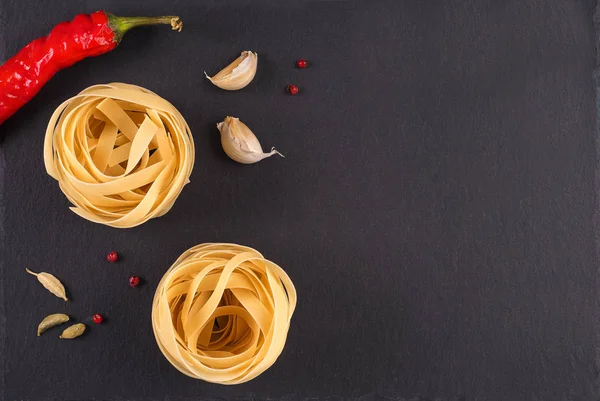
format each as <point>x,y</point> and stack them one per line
<point>120,25</point>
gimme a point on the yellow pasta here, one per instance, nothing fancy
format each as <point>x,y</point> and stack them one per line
<point>222,312</point>
<point>120,153</point>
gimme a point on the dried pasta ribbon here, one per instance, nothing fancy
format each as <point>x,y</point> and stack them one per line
<point>120,153</point>
<point>221,313</point>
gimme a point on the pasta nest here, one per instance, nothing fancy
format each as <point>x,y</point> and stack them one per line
<point>120,153</point>
<point>221,313</point>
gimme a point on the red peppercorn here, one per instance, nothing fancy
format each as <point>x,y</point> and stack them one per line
<point>292,89</point>
<point>301,63</point>
<point>134,281</point>
<point>97,318</point>
<point>112,257</point>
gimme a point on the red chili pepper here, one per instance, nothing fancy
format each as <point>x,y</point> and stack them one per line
<point>88,35</point>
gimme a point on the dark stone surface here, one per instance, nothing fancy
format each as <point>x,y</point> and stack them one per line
<point>435,207</point>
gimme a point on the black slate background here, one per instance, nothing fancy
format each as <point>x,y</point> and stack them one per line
<point>435,207</point>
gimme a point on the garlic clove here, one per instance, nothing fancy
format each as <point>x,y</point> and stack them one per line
<point>238,74</point>
<point>240,143</point>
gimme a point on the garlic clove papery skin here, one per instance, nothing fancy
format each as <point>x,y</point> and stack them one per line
<point>240,143</point>
<point>238,74</point>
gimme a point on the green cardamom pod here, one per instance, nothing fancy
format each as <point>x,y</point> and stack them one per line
<point>51,283</point>
<point>73,331</point>
<point>51,321</point>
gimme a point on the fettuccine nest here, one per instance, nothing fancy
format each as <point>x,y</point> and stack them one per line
<point>120,153</point>
<point>222,312</point>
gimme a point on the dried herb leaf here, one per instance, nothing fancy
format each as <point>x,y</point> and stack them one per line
<point>51,283</point>
<point>51,321</point>
<point>73,331</point>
